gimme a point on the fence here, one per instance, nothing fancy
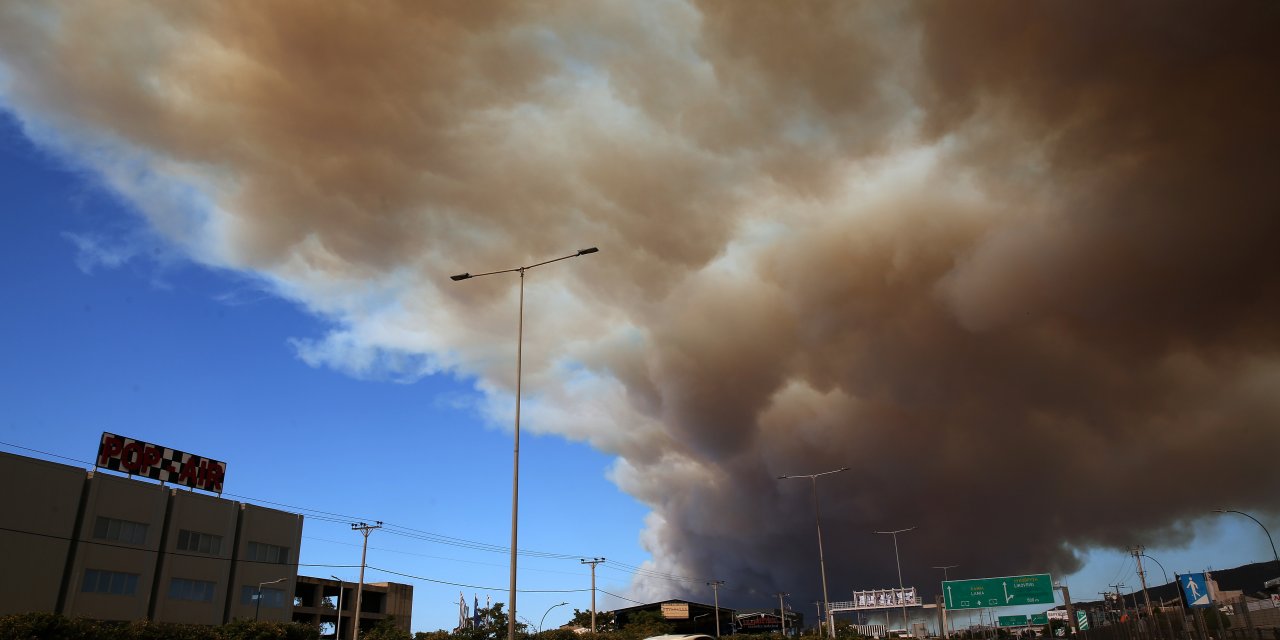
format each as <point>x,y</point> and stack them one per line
<point>1240,619</point>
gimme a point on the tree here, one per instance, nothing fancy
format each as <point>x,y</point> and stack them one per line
<point>643,624</point>
<point>433,635</point>
<point>386,629</point>
<point>492,626</point>
<point>604,620</point>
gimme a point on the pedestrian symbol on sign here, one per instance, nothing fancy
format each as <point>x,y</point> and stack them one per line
<point>1195,587</point>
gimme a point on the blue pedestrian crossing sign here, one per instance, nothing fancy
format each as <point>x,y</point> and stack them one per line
<point>1195,588</point>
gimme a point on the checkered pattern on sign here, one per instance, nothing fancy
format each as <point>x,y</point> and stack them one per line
<point>139,458</point>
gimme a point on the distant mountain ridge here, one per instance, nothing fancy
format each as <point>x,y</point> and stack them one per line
<point>1248,578</point>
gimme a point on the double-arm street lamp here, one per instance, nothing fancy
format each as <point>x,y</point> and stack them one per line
<point>822,564</point>
<point>1264,529</point>
<point>902,591</point>
<point>515,474</point>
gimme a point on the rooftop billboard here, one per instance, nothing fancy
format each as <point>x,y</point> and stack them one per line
<point>138,458</point>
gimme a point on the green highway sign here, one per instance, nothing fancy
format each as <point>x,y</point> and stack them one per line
<point>1022,621</point>
<point>1082,620</point>
<point>1012,621</point>
<point>1008,591</point>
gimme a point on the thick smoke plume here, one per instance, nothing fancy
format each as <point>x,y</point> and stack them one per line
<point>993,256</point>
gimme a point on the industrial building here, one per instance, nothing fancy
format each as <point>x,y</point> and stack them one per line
<point>96,545</point>
<point>686,617</point>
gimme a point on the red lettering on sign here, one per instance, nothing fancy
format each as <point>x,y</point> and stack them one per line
<point>131,457</point>
<point>188,474</point>
<point>110,449</point>
<point>215,474</point>
<point>151,456</point>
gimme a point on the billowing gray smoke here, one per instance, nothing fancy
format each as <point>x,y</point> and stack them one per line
<point>996,257</point>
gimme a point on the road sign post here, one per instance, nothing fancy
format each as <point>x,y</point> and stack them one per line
<point>1008,591</point>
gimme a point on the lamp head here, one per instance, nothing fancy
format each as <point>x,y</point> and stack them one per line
<point>1219,511</point>
<point>583,252</point>
<point>460,276</point>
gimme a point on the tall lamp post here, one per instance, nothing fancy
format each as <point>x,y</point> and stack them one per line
<point>822,564</point>
<point>515,473</point>
<point>1264,529</point>
<point>782,613</point>
<point>945,616</point>
<point>258,604</point>
<point>544,615</point>
<point>902,591</point>
<point>337,626</point>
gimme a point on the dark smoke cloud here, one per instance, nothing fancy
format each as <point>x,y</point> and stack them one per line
<point>996,257</point>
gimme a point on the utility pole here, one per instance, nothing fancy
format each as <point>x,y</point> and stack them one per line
<point>1073,625</point>
<point>782,613</point>
<point>1124,628</point>
<point>715,589</point>
<point>364,551</point>
<point>1142,577</point>
<point>593,562</point>
<point>1119,599</point>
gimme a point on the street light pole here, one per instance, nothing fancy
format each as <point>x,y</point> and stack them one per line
<point>1264,529</point>
<point>337,626</point>
<point>544,615</point>
<point>822,563</point>
<point>782,613</point>
<point>902,591</point>
<point>515,464</point>
<point>258,605</point>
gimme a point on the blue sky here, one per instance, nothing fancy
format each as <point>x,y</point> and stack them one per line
<point>165,350</point>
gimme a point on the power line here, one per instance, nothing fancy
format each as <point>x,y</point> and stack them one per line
<point>620,597</point>
<point>344,519</point>
<point>472,586</point>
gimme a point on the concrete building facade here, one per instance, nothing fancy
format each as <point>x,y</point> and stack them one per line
<point>317,601</point>
<point>96,545</point>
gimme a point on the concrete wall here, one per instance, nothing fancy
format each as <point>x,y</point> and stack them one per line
<point>127,500</point>
<point>264,526</point>
<point>39,502</point>
<point>205,515</point>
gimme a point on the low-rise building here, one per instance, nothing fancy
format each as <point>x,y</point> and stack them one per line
<point>97,545</point>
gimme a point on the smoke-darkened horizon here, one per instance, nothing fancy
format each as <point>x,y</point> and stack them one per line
<point>995,257</point>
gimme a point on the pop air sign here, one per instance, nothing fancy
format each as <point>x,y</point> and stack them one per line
<point>138,458</point>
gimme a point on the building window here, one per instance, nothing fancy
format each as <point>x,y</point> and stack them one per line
<point>263,552</point>
<point>111,582</point>
<point>193,590</point>
<point>271,598</point>
<point>120,531</point>
<point>199,542</point>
